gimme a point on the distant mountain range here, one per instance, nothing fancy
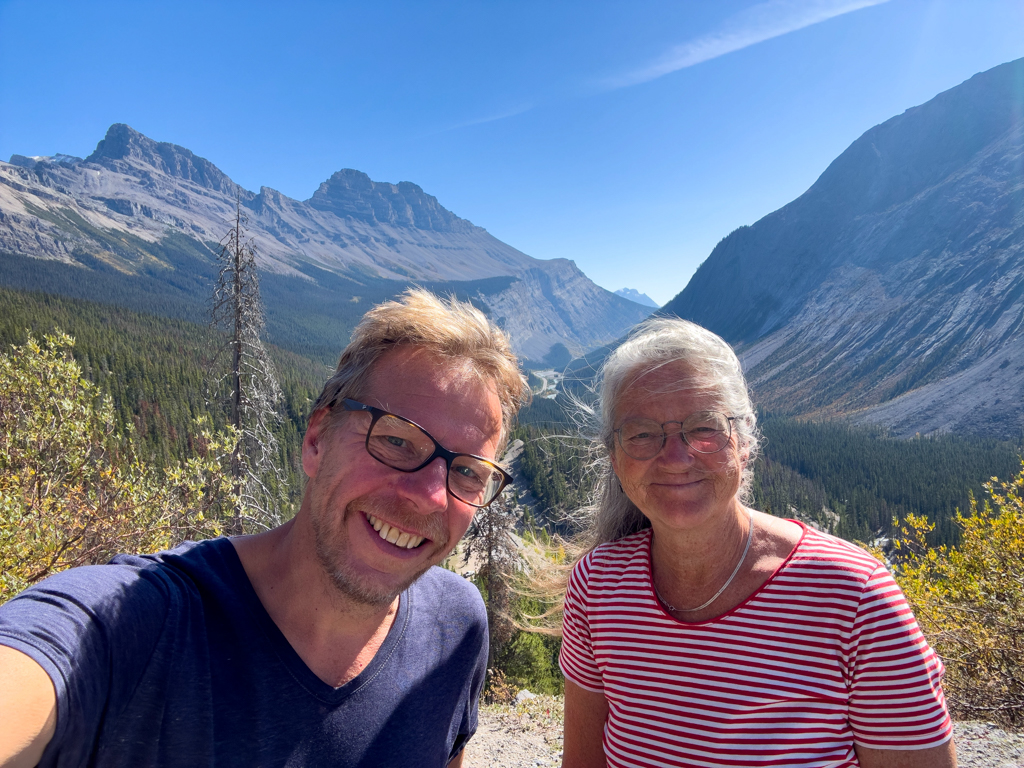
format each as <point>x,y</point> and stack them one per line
<point>147,216</point>
<point>892,291</point>
<point>634,295</point>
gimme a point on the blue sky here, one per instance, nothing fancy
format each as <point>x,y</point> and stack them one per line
<point>629,137</point>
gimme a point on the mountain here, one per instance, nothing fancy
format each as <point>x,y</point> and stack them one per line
<point>892,291</point>
<point>155,210</point>
<point>634,295</point>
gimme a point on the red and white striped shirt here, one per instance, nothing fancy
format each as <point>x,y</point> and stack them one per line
<point>826,653</point>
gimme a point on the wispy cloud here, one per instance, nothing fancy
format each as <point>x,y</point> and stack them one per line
<point>754,25</point>
<point>488,118</point>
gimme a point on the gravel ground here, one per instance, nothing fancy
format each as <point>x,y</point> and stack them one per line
<point>530,735</point>
<point>983,745</point>
<point>518,736</point>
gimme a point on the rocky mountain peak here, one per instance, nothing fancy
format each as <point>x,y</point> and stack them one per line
<point>896,160</point>
<point>355,238</point>
<point>353,194</point>
<point>124,145</point>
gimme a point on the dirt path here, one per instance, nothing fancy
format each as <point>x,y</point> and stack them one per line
<point>530,735</point>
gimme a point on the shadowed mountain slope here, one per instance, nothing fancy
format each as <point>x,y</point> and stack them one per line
<point>893,289</point>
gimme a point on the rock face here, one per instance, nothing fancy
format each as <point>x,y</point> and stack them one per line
<point>352,194</point>
<point>133,190</point>
<point>891,291</point>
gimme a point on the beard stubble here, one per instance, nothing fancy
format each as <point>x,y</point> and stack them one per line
<point>358,587</point>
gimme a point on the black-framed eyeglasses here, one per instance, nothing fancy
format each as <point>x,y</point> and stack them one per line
<point>406,446</point>
<point>704,432</point>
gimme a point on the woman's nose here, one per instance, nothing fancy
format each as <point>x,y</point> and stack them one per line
<point>676,448</point>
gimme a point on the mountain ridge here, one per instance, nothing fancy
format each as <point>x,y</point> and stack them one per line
<point>892,290</point>
<point>121,202</point>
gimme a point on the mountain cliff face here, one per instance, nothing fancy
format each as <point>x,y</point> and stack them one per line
<point>133,191</point>
<point>352,194</point>
<point>893,289</point>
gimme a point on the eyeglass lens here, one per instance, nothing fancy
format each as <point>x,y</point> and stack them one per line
<point>704,432</point>
<point>402,445</point>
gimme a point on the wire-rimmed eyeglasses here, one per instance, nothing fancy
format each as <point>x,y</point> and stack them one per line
<point>406,446</point>
<point>704,432</point>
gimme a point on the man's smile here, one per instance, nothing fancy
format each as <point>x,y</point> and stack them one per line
<point>393,535</point>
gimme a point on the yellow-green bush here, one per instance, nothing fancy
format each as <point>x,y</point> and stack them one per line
<point>969,601</point>
<point>72,490</point>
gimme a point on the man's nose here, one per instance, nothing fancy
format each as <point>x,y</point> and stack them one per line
<point>427,488</point>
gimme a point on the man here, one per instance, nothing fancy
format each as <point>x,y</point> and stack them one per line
<point>327,641</point>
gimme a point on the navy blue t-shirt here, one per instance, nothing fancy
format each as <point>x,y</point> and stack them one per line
<point>171,660</point>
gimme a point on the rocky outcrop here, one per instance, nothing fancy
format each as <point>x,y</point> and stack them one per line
<point>124,150</point>
<point>351,194</point>
<point>132,191</point>
<point>892,291</point>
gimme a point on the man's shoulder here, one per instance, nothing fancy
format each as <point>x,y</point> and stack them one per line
<point>188,559</point>
<point>440,585</point>
<point>447,621</point>
<point>148,581</point>
<point>449,596</point>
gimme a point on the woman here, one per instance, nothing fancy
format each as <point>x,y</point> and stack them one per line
<point>700,632</point>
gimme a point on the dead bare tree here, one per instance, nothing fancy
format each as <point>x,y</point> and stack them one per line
<point>237,310</point>
<point>491,540</point>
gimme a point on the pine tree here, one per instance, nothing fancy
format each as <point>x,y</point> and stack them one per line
<point>254,392</point>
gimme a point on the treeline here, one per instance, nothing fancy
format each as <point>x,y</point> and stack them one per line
<point>552,468</point>
<point>73,491</point>
<point>865,478</point>
<point>158,373</point>
<point>851,481</point>
<point>311,314</point>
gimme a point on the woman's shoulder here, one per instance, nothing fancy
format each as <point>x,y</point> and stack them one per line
<point>617,555</point>
<point>823,551</point>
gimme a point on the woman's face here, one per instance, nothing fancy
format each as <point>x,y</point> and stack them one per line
<point>679,488</point>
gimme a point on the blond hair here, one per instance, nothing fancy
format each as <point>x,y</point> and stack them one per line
<point>446,328</point>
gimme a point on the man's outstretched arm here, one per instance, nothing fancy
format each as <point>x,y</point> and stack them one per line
<point>28,709</point>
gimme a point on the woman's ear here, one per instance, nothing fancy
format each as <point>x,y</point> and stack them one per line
<point>744,452</point>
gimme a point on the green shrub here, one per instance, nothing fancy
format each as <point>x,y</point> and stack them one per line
<point>72,489</point>
<point>969,602</point>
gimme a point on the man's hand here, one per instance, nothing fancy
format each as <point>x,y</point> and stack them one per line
<point>28,710</point>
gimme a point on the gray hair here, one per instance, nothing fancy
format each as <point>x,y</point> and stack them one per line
<point>712,368</point>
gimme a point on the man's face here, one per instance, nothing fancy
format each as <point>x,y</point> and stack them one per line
<point>352,499</point>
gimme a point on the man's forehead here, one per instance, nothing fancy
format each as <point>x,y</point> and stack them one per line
<point>441,371</point>
<point>417,376</point>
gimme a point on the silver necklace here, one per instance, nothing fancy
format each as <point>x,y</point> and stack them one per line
<point>750,537</point>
